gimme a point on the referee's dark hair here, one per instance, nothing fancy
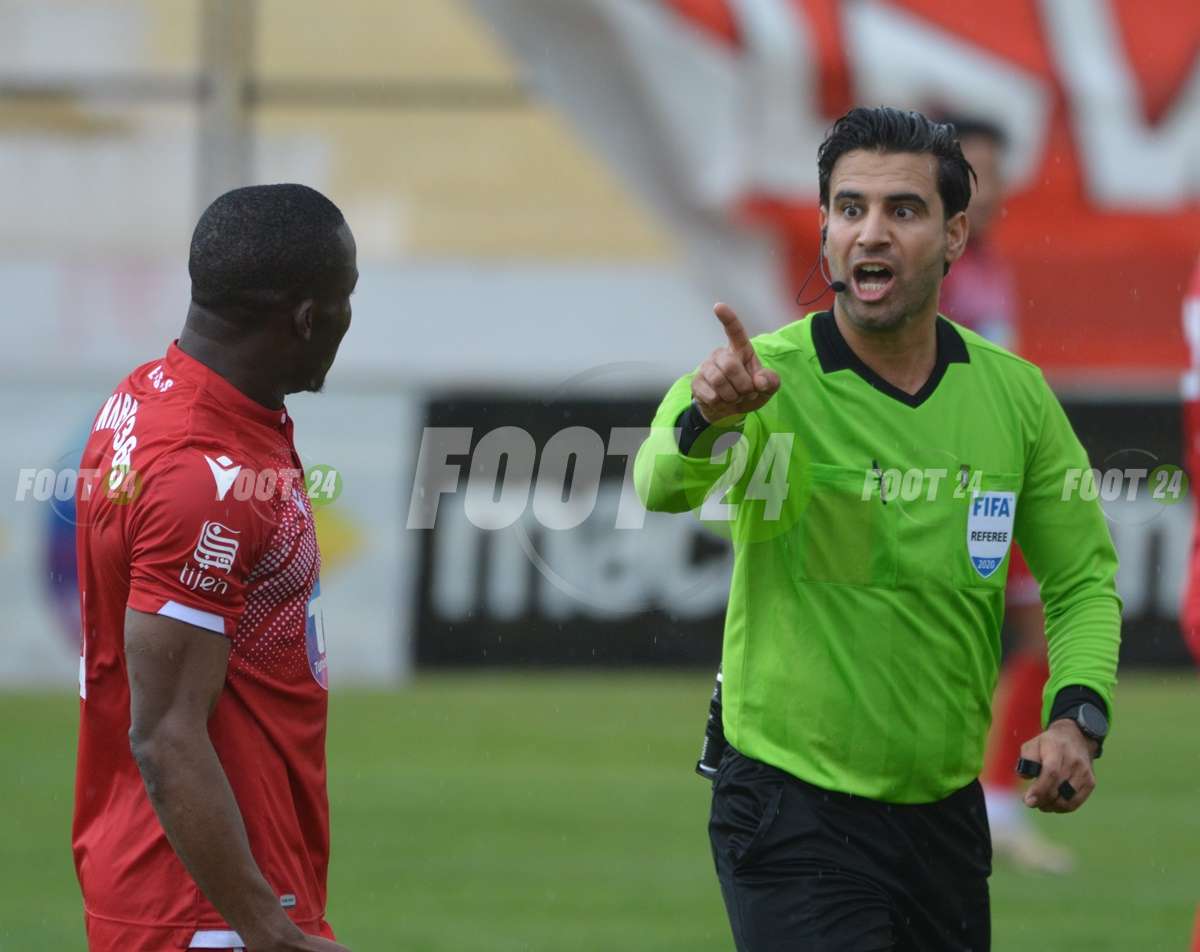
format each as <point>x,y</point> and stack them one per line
<point>266,247</point>
<point>970,127</point>
<point>884,129</point>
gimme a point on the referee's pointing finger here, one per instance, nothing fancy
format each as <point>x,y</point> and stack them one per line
<point>765,381</point>
<point>734,332</point>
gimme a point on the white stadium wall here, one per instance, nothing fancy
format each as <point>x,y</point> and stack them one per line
<point>423,335</point>
<point>76,328</point>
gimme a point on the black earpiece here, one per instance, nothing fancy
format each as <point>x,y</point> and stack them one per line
<point>837,287</point>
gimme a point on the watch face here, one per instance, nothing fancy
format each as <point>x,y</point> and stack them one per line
<point>1093,721</point>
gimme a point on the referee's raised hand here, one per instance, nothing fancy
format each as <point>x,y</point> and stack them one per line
<point>732,380</point>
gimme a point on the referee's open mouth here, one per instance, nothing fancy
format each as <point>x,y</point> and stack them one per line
<point>872,280</point>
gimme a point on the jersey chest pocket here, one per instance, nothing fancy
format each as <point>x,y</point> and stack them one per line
<point>844,532</point>
<point>961,532</point>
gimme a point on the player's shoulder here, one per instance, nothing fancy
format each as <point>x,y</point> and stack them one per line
<point>164,425</point>
<point>175,407</point>
<point>147,398</point>
<point>199,482</point>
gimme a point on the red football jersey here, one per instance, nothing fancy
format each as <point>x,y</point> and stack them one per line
<point>1190,613</point>
<point>192,505</point>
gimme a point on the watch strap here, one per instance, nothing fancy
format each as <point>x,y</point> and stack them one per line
<point>1072,696</point>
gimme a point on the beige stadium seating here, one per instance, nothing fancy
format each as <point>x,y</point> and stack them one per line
<point>499,177</point>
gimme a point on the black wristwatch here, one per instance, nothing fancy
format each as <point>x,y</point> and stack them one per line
<point>1090,720</point>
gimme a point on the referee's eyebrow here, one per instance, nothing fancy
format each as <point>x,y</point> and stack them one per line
<point>908,198</point>
<point>896,198</point>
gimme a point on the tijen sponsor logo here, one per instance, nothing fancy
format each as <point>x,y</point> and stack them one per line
<point>216,547</point>
<point>195,580</point>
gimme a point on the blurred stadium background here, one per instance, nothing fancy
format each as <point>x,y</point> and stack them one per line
<point>547,196</point>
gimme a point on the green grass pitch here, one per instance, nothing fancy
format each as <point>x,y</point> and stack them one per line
<point>552,812</point>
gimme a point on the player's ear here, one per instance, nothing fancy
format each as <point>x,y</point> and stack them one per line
<point>303,317</point>
<point>957,232</point>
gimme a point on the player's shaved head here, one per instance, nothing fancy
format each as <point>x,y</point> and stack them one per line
<point>264,247</point>
<point>273,268</point>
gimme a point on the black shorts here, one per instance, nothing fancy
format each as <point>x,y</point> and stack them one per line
<point>806,870</point>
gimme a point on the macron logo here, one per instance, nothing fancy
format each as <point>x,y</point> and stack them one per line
<point>224,472</point>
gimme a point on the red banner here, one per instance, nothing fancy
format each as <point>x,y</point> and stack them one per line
<point>712,109</point>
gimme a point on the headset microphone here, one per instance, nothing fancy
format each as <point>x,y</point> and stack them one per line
<point>837,287</point>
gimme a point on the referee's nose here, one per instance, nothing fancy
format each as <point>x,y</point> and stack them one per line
<point>874,231</point>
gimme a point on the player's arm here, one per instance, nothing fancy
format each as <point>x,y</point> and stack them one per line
<point>175,676</point>
<point>675,469</point>
<point>177,649</point>
<point>1066,542</point>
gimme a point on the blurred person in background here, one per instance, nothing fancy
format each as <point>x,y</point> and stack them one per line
<point>980,290</point>
<point>201,815</point>
<point>1190,393</point>
<point>980,293</point>
<point>862,628</point>
<point>1189,614</point>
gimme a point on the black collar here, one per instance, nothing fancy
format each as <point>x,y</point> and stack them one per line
<point>835,354</point>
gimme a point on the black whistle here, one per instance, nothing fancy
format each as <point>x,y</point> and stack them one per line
<point>1028,768</point>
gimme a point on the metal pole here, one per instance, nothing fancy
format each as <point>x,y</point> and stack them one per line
<point>224,136</point>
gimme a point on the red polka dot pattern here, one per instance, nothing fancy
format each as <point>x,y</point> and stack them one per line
<point>270,636</point>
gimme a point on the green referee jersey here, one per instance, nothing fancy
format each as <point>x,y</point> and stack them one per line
<point>871,532</point>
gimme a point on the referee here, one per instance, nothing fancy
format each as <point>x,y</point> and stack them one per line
<point>875,463</point>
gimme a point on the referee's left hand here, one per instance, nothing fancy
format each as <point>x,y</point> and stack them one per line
<point>1065,755</point>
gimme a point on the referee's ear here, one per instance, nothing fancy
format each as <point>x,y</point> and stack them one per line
<point>958,230</point>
